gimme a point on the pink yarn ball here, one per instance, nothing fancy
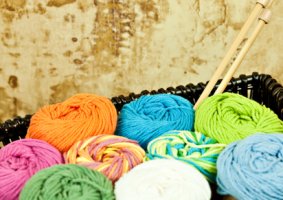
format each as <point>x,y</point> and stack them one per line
<point>20,160</point>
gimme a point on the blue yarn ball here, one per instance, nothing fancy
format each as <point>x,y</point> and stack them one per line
<point>153,115</point>
<point>252,168</point>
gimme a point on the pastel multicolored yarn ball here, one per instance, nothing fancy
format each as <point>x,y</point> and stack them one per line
<point>110,154</point>
<point>190,147</point>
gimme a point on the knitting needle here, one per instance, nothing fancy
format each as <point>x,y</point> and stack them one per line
<point>270,3</point>
<point>263,19</point>
<point>255,13</point>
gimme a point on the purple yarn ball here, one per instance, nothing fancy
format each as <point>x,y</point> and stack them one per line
<point>20,160</point>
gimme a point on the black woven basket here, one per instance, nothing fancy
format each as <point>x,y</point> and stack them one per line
<point>259,87</point>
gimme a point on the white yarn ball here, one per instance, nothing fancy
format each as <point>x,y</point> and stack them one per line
<point>163,179</point>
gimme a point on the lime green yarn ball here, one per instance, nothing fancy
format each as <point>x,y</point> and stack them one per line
<point>62,182</point>
<point>229,117</point>
<point>190,147</point>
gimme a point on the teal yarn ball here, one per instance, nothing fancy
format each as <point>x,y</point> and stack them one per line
<point>65,182</point>
<point>252,168</point>
<point>151,116</point>
<point>190,147</point>
<point>229,117</point>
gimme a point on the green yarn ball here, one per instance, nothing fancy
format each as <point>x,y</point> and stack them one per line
<point>229,117</point>
<point>190,147</point>
<point>62,182</point>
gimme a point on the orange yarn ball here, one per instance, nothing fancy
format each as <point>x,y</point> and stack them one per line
<point>77,118</point>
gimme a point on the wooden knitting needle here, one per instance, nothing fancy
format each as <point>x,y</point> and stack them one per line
<point>263,19</point>
<point>239,39</point>
<point>270,3</point>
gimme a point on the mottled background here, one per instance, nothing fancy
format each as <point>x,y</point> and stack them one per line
<point>53,49</point>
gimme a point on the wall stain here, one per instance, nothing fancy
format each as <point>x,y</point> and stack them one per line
<point>78,61</point>
<point>15,64</point>
<point>53,71</point>
<point>8,16</point>
<point>39,9</point>
<point>63,90</point>
<point>74,39</point>
<point>85,68</point>
<point>47,54</point>
<point>150,10</point>
<point>69,18</point>
<point>68,53</point>
<point>12,5</point>
<point>46,36</point>
<point>114,24</point>
<point>8,39</point>
<point>15,55</point>
<point>13,81</point>
<point>8,108</point>
<point>59,3</point>
<point>84,5</point>
<point>198,61</point>
<point>39,73</point>
<point>153,12</point>
<point>210,25</point>
<point>34,63</point>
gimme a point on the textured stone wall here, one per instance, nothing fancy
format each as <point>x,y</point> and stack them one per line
<point>53,49</point>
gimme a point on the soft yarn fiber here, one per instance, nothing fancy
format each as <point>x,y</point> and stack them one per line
<point>163,179</point>
<point>110,154</point>
<point>66,182</point>
<point>151,116</point>
<point>251,169</point>
<point>77,118</point>
<point>190,147</point>
<point>229,117</point>
<point>21,159</point>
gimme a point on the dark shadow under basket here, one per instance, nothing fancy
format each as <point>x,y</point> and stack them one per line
<point>259,87</point>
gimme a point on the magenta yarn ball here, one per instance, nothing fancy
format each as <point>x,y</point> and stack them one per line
<point>20,160</point>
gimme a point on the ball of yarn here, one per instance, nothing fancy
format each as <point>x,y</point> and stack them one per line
<point>110,154</point>
<point>252,168</point>
<point>190,147</point>
<point>163,179</point>
<point>230,117</point>
<point>68,182</point>
<point>77,118</point>
<point>21,159</point>
<point>151,116</point>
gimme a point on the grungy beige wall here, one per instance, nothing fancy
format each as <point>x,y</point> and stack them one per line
<point>53,49</point>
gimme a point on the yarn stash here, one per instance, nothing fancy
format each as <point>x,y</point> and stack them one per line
<point>68,182</point>
<point>110,154</point>
<point>77,118</point>
<point>20,160</point>
<point>151,116</point>
<point>229,117</point>
<point>190,147</point>
<point>252,168</point>
<point>163,179</point>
